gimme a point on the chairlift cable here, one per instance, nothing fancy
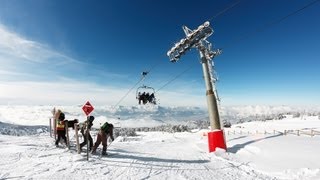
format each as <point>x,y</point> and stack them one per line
<point>225,10</point>
<point>270,24</point>
<point>176,77</point>
<point>141,79</point>
<point>257,30</point>
<point>213,17</point>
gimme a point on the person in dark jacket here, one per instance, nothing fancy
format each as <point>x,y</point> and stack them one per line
<point>86,127</point>
<point>106,131</point>
<point>60,127</point>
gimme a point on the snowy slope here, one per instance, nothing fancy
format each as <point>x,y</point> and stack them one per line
<point>256,150</point>
<point>148,156</point>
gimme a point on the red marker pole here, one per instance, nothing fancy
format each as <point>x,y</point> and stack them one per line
<point>87,109</point>
<point>87,136</point>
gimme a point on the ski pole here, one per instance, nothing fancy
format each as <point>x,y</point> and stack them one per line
<point>111,142</point>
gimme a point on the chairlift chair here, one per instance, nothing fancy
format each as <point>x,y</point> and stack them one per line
<point>145,94</point>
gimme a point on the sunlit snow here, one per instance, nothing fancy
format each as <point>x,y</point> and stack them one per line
<point>286,148</point>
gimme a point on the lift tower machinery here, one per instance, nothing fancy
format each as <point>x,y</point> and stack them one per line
<point>197,39</point>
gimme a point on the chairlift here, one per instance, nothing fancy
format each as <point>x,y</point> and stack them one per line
<point>145,94</point>
<point>144,73</point>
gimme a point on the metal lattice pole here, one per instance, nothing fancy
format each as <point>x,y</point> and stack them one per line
<point>211,97</point>
<point>197,39</point>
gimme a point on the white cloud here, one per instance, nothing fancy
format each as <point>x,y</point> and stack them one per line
<point>26,60</point>
<point>11,73</point>
<point>73,92</point>
<point>21,49</point>
<point>34,73</point>
<point>66,92</point>
<point>27,57</point>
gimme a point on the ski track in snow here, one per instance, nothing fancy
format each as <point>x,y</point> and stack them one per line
<point>154,155</point>
<point>256,150</point>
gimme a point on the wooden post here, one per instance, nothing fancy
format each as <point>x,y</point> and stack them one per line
<point>77,137</point>
<point>67,132</point>
<point>55,128</point>
<point>87,136</point>
<point>50,127</point>
<point>55,116</point>
<point>298,132</point>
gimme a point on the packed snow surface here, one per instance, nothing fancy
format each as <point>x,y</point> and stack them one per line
<point>273,149</point>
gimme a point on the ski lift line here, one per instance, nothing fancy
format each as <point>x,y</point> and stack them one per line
<point>155,65</point>
<point>270,24</point>
<point>225,10</point>
<point>144,74</point>
<point>218,14</point>
<point>129,91</point>
<point>176,77</point>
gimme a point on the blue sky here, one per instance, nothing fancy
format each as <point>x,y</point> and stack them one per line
<point>67,52</point>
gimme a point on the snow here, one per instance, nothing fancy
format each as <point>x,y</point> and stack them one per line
<point>269,149</point>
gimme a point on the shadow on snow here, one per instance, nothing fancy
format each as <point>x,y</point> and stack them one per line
<point>234,149</point>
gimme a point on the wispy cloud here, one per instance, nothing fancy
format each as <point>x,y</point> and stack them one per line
<point>75,92</point>
<point>10,73</point>
<point>22,49</point>
<point>34,73</point>
<point>68,92</point>
<point>32,59</point>
<point>23,56</point>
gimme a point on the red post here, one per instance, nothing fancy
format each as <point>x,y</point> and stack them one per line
<point>216,140</point>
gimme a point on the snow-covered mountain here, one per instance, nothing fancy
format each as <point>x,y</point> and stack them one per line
<point>256,150</point>
<point>148,115</point>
